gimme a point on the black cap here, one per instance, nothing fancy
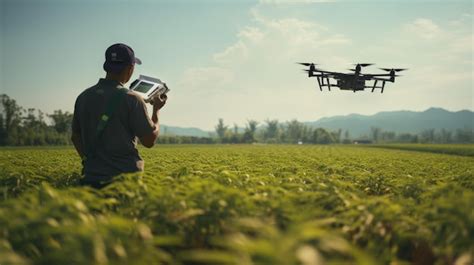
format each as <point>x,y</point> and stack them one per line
<point>119,56</point>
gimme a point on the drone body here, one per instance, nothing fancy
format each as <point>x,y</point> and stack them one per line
<point>355,81</point>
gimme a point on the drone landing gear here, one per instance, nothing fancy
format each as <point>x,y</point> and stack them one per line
<point>321,82</point>
<point>381,87</point>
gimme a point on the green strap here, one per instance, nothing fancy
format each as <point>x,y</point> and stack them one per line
<point>110,109</point>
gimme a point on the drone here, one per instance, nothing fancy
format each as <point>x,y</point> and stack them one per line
<point>355,81</point>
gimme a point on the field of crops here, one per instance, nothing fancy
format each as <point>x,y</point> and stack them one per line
<point>251,204</point>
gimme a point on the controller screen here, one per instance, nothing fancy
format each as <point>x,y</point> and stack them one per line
<point>143,87</point>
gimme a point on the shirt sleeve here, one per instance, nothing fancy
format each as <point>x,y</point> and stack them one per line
<point>139,120</point>
<point>76,128</point>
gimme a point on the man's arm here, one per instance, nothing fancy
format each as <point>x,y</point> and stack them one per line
<point>76,140</point>
<point>150,139</point>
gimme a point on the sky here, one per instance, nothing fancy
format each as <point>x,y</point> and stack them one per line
<point>236,59</point>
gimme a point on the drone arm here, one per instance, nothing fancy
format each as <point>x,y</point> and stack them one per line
<point>375,75</point>
<point>381,79</point>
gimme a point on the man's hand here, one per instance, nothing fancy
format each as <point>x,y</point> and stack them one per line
<point>158,102</point>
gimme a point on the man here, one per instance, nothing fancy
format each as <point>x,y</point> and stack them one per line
<point>108,119</point>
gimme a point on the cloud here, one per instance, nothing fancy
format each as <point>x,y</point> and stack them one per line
<point>424,28</point>
<point>449,42</point>
<point>462,44</point>
<point>440,62</point>
<point>275,43</point>
<point>202,79</point>
<point>252,34</point>
<point>461,20</point>
<point>232,54</point>
<point>455,36</point>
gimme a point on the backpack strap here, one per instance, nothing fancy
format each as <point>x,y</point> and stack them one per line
<point>110,109</point>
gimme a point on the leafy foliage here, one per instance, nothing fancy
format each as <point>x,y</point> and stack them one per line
<point>255,204</point>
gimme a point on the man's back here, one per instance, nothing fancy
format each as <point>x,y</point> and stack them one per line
<point>115,152</point>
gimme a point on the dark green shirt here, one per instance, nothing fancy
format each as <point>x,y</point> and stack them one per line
<point>116,150</point>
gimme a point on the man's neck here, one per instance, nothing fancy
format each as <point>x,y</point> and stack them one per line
<point>114,78</point>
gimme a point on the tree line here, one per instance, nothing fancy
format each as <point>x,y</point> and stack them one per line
<point>20,126</point>
<point>272,132</point>
<point>443,136</point>
<point>27,126</point>
<point>293,132</point>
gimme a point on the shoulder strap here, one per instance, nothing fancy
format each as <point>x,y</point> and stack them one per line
<point>110,109</point>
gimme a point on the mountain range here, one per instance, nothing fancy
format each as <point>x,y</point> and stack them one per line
<point>183,131</point>
<point>358,125</point>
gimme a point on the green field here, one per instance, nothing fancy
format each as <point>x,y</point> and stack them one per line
<point>252,204</point>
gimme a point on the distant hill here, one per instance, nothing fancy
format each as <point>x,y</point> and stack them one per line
<point>399,121</point>
<point>358,125</point>
<point>173,130</point>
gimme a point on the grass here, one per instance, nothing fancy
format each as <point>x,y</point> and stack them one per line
<point>240,205</point>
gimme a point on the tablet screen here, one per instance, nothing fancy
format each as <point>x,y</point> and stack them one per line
<point>143,87</point>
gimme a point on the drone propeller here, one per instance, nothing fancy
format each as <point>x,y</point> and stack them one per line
<point>308,64</point>
<point>393,69</point>
<point>352,70</point>
<point>364,64</point>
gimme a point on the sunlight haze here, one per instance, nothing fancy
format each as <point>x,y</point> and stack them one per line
<point>236,60</point>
